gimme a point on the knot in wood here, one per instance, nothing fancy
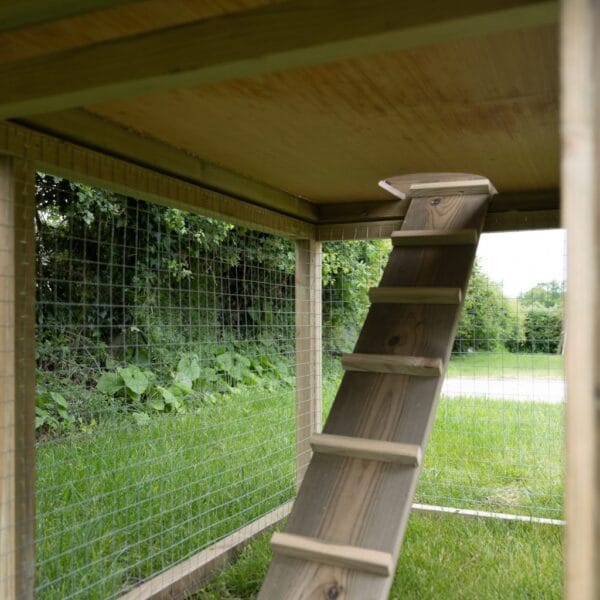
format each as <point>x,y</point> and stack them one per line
<point>435,201</point>
<point>333,592</point>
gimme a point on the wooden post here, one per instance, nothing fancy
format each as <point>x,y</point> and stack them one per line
<point>17,379</point>
<point>580,131</point>
<point>308,350</point>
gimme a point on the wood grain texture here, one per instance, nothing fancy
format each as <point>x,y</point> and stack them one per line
<point>435,238</point>
<point>330,133</point>
<point>17,381</point>
<point>26,13</point>
<point>366,449</point>
<point>250,43</point>
<point>309,402</point>
<point>360,559</point>
<point>95,132</point>
<point>391,363</point>
<point>94,168</point>
<point>580,187</point>
<point>366,503</point>
<point>459,187</point>
<point>415,295</point>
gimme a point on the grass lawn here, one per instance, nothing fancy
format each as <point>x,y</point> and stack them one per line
<point>123,502</point>
<point>507,364</point>
<point>443,557</point>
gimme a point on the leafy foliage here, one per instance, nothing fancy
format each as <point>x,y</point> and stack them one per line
<point>489,320</point>
<point>548,295</point>
<point>543,330</point>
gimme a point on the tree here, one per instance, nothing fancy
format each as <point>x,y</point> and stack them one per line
<point>543,330</point>
<point>489,320</point>
<point>548,295</point>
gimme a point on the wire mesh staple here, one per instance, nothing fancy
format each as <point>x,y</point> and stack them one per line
<point>165,416</point>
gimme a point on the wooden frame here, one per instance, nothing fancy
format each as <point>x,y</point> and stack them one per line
<point>25,13</point>
<point>309,405</point>
<point>63,158</point>
<point>250,43</point>
<point>17,379</point>
<point>580,130</point>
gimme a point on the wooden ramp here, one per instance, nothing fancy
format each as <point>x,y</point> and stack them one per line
<point>344,534</point>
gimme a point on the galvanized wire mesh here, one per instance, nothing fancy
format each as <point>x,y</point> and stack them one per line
<point>165,386</point>
<point>497,443</point>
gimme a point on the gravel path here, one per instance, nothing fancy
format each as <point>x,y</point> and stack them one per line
<point>523,389</point>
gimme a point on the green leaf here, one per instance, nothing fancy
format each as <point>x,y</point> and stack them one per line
<point>136,381</point>
<point>59,400</point>
<point>110,383</point>
<point>233,364</point>
<point>168,396</point>
<point>188,370</point>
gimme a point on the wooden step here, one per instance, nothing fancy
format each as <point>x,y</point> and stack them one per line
<point>415,295</point>
<point>337,555</point>
<point>367,449</point>
<point>469,187</point>
<point>427,237</point>
<point>389,363</point>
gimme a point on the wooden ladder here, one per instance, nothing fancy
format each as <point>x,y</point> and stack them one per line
<point>343,536</point>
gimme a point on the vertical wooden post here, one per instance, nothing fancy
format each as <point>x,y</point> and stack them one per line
<point>580,64</point>
<point>308,350</point>
<point>17,379</point>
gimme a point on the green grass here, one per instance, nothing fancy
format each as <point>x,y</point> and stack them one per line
<point>443,557</point>
<point>124,502</point>
<point>507,364</point>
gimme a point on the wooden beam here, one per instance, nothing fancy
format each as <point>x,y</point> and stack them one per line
<point>426,237</point>
<point>509,211</point>
<point>367,449</point>
<point>309,404</point>
<point>415,295</point>
<point>27,13</point>
<point>580,185</point>
<point>272,38</point>
<point>392,363</point>
<point>94,168</point>
<point>17,380</point>
<point>186,577</point>
<point>375,230</point>
<point>462,187</point>
<point>339,555</point>
<point>92,131</point>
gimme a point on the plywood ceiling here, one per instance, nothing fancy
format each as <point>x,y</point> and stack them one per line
<point>487,105</point>
<point>109,24</point>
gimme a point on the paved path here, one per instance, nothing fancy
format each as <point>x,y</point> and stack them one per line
<point>523,389</point>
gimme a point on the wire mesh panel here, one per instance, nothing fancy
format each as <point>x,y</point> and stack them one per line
<point>497,443</point>
<point>165,405</point>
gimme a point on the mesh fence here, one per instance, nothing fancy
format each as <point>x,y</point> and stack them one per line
<point>165,404</point>
<point>497,443</point>
<point>168,411</point>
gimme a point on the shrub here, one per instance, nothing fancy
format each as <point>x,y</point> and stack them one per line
<point>543,330</point>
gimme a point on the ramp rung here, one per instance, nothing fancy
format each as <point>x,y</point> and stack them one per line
<point>433,237</point>
<point>367,449</point>
<point>337,555</point>
<point>389,363</point>
<point>451,188</point>
<point>415,295</point>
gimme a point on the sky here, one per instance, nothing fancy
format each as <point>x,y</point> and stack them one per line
<point>520,260</point>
